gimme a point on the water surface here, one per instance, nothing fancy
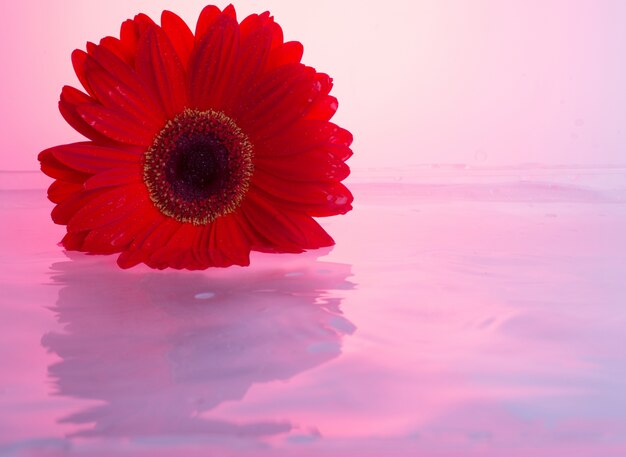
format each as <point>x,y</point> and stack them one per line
<point>462,313</point>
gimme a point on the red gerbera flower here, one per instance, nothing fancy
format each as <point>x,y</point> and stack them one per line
<point>202,147</point>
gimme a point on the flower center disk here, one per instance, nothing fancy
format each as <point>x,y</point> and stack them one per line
<point>198,167</point>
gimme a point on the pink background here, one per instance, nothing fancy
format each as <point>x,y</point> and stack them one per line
<point>480,83</point>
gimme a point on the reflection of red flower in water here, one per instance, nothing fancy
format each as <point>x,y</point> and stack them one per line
<point>160,350</point>
<point>202,147</point>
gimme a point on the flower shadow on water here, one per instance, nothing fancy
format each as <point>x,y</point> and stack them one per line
<point>160,348</point>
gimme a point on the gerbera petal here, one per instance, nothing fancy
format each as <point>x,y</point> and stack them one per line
<point>314,165</point>
<point>70,99</point>
<point>148,222</point>
<point>187,257</point>
<point>117,85</point>
<point>143,23</point>
<point>157,236</point>
<point>277,32</point>
<point>115,177</point>
<point>252,55</point>
<point>73,241</point>
<point>230,11</point>
<point>231,240</point>
<point>130,258</point>
<point>250,24</point>
<point>306,135</point>
<point>129,38</point>
<point>115,124</point>
<point>207,16</point>
<point>287,53</point>
<point>157,233</point>
<point>112,93</point>
<point>114,46</point>
<point>200,246</point>
<point>218,256</point>
<point>108,206</point>
<point>211,62</point>
<point>211,252</point>
<point>287,231</point>
<point>89,157</point>
<point>323,108</point>
<point>159,66</point>
<point>95,243</point>
<point>62,190</point>
<point>280,98</point>
<point>65,210</point>
<point>176,252</point>
<point>117,235</point>
<point>314,198</point>
<point>266,240</point>
<point>325,81</point>
<point>179,34</point>
<point>79,59</point>
<point>52,167</point>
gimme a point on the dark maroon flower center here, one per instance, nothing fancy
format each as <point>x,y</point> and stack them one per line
<point>198,167</point>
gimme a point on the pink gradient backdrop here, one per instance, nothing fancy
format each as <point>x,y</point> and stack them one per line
<point>480,82</point>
